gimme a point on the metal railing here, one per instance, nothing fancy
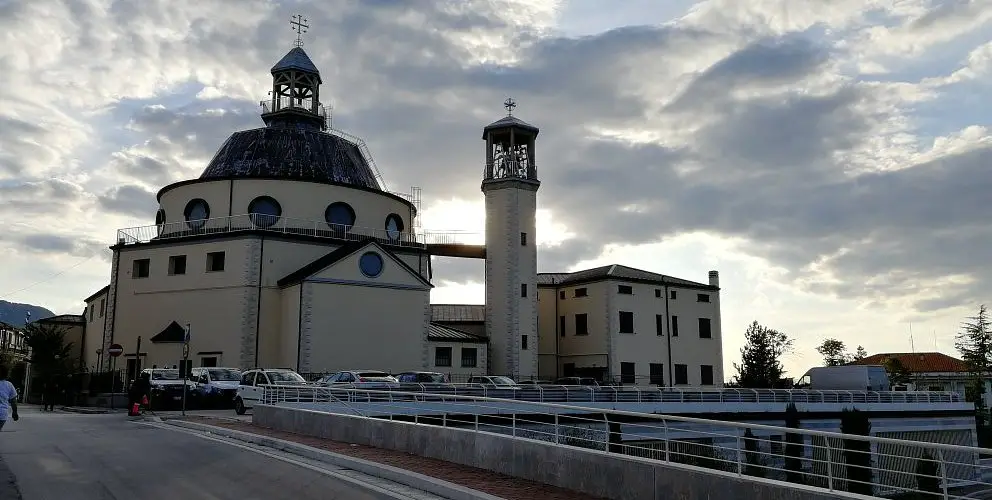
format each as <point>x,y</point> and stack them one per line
<point>552,393</point>
<point>280,103</point>
<point>509,169</point>
<point>831,461</point>
<point>285,225</point>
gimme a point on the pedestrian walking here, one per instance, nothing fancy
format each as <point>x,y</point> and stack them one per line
<point>50,393</point>
<point>8,397</point>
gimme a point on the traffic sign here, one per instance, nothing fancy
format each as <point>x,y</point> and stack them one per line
<point>115,350</point>
<point>185,351</point>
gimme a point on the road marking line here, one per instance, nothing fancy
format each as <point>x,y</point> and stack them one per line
<point>378,489</point>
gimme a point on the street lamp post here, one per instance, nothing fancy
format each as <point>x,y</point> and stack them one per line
<point>27,363</point>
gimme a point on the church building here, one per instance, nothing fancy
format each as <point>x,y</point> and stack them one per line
<point>288,251</point>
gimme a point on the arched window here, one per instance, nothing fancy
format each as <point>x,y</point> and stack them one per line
<point>160,221</point>
<point>197,212</point>
<point>394,226</point>
<point>371,264</point>
<point>264,211</point>
<point>339,216</point>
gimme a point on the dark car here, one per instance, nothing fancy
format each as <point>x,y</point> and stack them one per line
<point>421,378</point>
<point>577,381</point>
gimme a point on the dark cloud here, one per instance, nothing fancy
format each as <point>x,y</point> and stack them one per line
<point>129,200</point>
<point>27,199</point>
<point>49,243</point>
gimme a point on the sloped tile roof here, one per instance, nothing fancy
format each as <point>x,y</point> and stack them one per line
<point>64,318</point>
<point>443,333</point>
<point>920,362</point>
<point>458,313</point>
<point>617,272</point>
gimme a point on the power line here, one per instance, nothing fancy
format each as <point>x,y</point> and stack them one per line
<point>56,275</point>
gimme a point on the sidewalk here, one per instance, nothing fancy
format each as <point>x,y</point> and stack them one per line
<point>485,481</point>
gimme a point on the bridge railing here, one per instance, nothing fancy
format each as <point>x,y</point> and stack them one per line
<point>832,461</point>
<point>548,393</point>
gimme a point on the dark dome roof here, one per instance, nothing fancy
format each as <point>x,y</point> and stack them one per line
<point>292,154</point>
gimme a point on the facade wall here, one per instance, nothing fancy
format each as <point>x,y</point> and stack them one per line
<point>511,208</point>
<point>95,317</point>
<point>353,322</point>
<point>456,371</point>
<point>688,348</point>
<point>305,202</point>
<point>290,326</point>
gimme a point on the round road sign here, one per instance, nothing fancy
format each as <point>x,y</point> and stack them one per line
<point>115,350</point>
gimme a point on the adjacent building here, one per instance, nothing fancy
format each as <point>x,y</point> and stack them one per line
<point>12,341</point>
<point>289,251</point>
<point>928,371</point>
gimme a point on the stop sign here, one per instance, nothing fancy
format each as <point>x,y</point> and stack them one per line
<point>115,350</point>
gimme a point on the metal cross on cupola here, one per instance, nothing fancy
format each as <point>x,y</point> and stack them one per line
<point>299,24</point>
<point>509,104</point>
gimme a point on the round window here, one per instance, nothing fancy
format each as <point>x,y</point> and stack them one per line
<point>264,211</point>
<point>339,216</point>
<point>197,212</point>
<point>394,226</point>
<point>371,264</point>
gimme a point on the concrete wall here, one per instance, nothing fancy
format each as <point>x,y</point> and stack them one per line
<point>587,471</point>
<point>456,367</point>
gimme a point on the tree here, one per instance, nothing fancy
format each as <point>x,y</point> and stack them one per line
<point>760,367</point>
<point>834,352</point>
<point>897,372</point>
<point>793,447</point>
<point>51,355</point>
<point>974,342</point>
<point>859,354</point>
<point>857,452</point>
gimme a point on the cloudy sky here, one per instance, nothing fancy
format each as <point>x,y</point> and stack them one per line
<point>831,158</point>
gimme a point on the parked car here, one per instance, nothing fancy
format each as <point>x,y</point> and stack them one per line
<point>216,387</point>
<point>421,378</point>
<point>493,381</point>
<point>250,389</point>
<point>167,388</point>
<point>577,381</point>
<point>358,377</point>
<point>534,382</point>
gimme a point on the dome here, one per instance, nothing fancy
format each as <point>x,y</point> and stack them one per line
<point>292,154</point>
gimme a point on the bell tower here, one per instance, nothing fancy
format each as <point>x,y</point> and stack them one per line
<point>295,96</point>
<point>510,186</point>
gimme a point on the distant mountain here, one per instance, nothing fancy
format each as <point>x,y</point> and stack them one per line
<point>14,314</point>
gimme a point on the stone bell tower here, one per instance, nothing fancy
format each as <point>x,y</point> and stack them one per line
<point>510,186</point>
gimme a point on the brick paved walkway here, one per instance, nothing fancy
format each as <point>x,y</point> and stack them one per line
<point>500,485</point>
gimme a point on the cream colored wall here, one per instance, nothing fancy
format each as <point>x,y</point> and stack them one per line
<point>213,303</point>
<point>688,348</point>
<point>547,332</point>
<point>354,322</point>
<point>94,331</point>
<point>456,367</point>
<point>644,346</point>
<point>585,350</point>
<point>290,328</point>
<point>303,201</point>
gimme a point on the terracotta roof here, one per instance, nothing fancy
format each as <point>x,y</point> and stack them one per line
<point>920,362</point>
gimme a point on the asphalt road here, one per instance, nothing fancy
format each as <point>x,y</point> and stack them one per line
<point>90,457</point>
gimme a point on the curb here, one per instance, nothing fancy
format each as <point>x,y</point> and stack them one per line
<point>87,411</point>
<point>412,479</point>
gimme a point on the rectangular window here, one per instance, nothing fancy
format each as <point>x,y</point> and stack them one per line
<point>675,326</point>
<point>561,295</point>
<point>672,294</point>
<point>681,374</point>
<point>91,313</point>
<point>657,374</point>
<point>208,361</point>
<point>627,375</point>
<point>523,239</point>
<point>625,289</point>
<point>706,374</point>
<point>657,292</point>
<point>140,268</point>
<point>581,292</point>
<point>103,307</point>
<point>561,326</point>
<point>626,322</point>
<point>215,261</point>
<point>659,324</point>
<point>177,265</point>
<point>702,297</point>
<point>523,342</point>
<point>581,324</point>
<point>442,356</point>
<point>523,289</point>
<point>470,357</point>
<point>704,328</point>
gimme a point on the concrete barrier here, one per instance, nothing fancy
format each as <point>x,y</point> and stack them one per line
<point>588,471</point>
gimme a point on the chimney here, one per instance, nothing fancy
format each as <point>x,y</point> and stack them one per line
<point>714,278</point>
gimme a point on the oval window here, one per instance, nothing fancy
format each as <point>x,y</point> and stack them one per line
<point>197,212</point>
<point>264,211</point>
<point>371,264</point>
<point>394,226</point>
<point>339,216</point>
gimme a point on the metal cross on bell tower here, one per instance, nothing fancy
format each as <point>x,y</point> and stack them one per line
<point>299,24</point>
<point>509,104</point>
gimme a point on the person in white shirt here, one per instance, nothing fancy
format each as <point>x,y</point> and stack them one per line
<point>8,397</point>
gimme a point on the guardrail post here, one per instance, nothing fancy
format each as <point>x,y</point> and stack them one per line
<point>830,469</point>
<point>664,422</point>
<point>513,418</point>
<point>943,472</point>
<point>476,422</point>
<point>556,429</point>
